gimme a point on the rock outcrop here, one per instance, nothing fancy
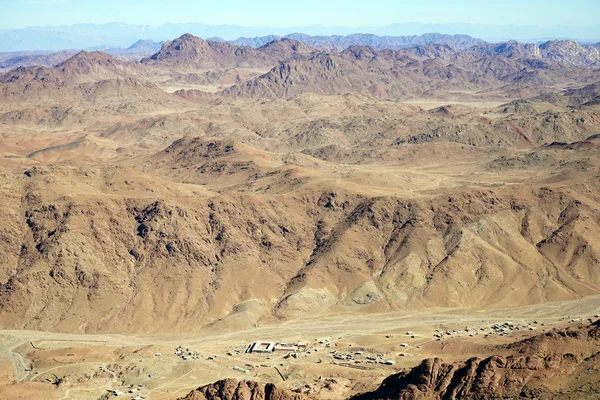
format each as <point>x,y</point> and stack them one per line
<point>231,389</point>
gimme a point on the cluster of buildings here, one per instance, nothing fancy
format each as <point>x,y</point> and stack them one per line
<point>185,354</point>
<point>500,329</point>
<point>372,359</point>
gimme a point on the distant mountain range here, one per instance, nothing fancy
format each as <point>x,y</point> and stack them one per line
<point>295,68</point>
<point>139,49</point>
<point>338,42</point>
<point>146,48</point>
<point>120,35</point>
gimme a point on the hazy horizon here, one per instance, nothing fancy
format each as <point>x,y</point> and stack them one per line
<point>275,14</point>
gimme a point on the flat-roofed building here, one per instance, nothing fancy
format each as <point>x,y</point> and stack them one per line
<point>261,347</point>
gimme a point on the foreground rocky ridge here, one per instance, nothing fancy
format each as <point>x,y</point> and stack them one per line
<point>231,389</point>
<point>558,365</point>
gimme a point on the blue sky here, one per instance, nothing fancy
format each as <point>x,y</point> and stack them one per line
<point>283,13</point>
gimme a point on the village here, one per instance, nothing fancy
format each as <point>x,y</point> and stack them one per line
<point>257,358</point>
<point>303,359</point>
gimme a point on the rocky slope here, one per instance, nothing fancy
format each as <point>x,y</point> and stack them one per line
<point>287,49</point>
<point>83,67</point>
<point>189,50</point>
<point>119,251</point>
<point>74,105</point>
<point>87,85</point>
<point>322,74</point>
<point>420,70</point>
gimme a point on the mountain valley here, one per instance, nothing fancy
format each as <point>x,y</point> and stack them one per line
<point>425,217</point>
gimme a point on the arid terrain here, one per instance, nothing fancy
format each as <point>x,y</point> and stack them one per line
<point>210,195</point>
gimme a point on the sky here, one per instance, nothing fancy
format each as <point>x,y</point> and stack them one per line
<point>284,13</point>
